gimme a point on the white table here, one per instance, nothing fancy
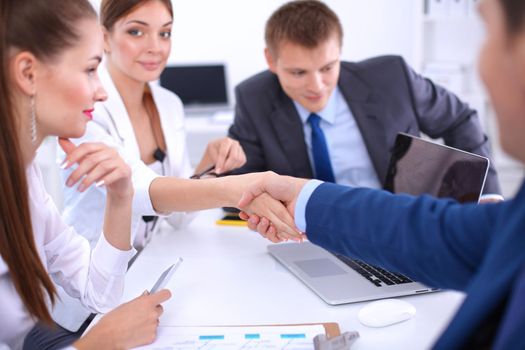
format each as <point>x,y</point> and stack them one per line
<point>228,278</point>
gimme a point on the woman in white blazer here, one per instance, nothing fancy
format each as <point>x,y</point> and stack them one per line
<point>144,121</point>
<point>48,87</point>
<point>111,125</point>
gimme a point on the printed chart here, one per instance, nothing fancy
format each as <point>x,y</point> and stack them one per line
<point>298,337</point>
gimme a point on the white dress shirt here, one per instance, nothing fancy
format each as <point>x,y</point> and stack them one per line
<point>96,278</point>
<point>348,153</point>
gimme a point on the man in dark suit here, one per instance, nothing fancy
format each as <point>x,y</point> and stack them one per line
<point>360,107</point>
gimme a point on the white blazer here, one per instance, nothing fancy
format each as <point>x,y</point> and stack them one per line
<point>96,277</point>
<point>111,125</point>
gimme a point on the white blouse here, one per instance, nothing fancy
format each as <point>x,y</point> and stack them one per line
<point>95,277</point>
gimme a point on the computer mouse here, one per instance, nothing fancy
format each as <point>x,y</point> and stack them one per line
<point>385,312</point>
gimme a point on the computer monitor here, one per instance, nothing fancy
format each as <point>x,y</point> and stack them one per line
<point>200,87</point>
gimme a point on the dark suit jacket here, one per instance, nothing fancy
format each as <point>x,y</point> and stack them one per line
<point>385,97</point>
<point>478,249</point>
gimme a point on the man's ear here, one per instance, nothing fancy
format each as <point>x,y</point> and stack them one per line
<point>23,67</point>
<point>270,60</point>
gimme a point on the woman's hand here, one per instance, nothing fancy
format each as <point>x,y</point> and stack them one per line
<point>225,153</point>
<point>98,164</point>
<point>130,325</point>
<point>102,165</point>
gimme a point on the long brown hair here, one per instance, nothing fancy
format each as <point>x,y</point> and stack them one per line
<point>45,28</point>
<point>112,10</point>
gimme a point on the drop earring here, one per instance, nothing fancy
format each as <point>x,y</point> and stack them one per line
<point>33,119</point>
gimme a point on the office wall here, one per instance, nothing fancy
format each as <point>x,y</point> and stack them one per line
<point>232,31</point>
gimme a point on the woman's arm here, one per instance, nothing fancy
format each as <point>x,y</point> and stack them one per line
<point>172,194</point>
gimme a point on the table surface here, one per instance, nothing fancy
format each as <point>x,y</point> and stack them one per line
<point>228,278</point>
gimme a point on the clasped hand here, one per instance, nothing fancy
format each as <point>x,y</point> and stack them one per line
<point>271,221</point>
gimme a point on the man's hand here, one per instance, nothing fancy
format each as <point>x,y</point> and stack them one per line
<point>225,153</point>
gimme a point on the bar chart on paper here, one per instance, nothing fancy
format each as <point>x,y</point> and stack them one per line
<point>298,337</point>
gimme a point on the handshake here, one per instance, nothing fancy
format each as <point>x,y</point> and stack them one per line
<point>268,204</point>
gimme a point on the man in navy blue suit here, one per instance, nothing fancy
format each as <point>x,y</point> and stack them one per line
<point>478,249</point>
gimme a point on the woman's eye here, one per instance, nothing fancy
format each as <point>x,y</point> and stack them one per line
<point>135,32</point>
<point>165,35</point>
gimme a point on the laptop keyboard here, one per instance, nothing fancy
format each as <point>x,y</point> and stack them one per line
<point>376,275</point>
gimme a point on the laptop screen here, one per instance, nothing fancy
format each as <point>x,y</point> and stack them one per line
<point>418,166</point>
<point>198,85</point>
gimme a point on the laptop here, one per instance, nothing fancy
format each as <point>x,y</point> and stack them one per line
<point>417,166</point>
<point>201,88</point>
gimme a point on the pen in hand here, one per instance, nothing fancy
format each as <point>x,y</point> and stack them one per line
<point>207,171</point>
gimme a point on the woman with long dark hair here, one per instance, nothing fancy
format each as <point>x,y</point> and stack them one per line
<point>49,53</point>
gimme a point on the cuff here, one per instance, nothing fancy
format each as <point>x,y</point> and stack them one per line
<point>142,178</point>
<point>302,200</point>
<point>110,259</point>
<point>491,197</point>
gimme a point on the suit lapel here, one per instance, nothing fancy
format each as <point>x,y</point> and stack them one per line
<point>172,124</point>
<point>290,133</point>
<point>367,114</point>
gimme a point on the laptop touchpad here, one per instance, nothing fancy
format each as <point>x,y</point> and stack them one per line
<point>320,267</point>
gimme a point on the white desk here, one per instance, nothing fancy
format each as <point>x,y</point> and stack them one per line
<point>228,278</point>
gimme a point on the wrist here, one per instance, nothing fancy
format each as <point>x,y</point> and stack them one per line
<point>232,191</point>
<point>302,191</point>
<point>121,197</point>
<point>98,337</point>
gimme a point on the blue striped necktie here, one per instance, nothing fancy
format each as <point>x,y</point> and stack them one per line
<point>323,166</point>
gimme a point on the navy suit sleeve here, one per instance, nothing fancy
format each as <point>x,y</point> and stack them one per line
<point>438,242</point>
<point>441,114</point>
